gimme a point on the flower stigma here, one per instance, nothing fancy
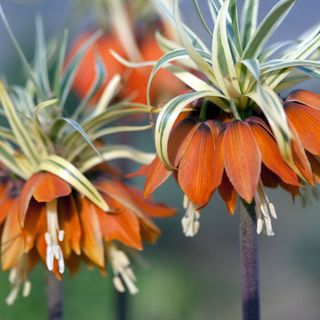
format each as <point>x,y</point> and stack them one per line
<point>123,274</point>
<point>190,221</point>
<point>52,237</point>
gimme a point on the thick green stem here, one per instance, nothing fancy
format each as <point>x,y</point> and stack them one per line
<point>249,262</point>
<point>55,298</point>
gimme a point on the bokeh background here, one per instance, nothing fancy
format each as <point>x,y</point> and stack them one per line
<point>187,279</point>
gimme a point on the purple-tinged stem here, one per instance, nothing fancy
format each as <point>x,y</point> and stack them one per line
<point>249,262</point>
<point>55,298</point>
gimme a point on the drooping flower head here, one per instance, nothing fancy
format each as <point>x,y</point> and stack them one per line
<point>62,203</point>
<point>128,30</point>
<point>239,137</point>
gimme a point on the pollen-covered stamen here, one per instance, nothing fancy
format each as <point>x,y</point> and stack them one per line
<point>190,222</point>
<point>18,278</point>
<point>264,210</point>
<point>53,236</point>
<point>123,274</point>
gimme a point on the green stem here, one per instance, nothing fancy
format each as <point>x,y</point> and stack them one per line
<point>203,111</point>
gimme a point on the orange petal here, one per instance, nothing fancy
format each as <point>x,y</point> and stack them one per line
<point>242,159</point>
<point>5,206</point>
<point>12,243</point>
<point>300,157</point>
<point>271,156</point>
<point>180,138</point>
<point>50,187</point>
<point>306,97</point>
<point>196,173</point>
<point>73,264</point>
<point>123,226</point>
<point>151,209</point>
<point>35,223</point>
<point>156,174</point>
<point>26,195</point>
<point>91,233</point>
<point>149,231</point>
<point>306,121</point>
<point>228,194</point>
<point>315,166</point>
<point>70,224</point>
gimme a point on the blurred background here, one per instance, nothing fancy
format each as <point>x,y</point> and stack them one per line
<point>187,279</point>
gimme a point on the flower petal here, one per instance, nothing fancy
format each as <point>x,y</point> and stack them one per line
<point>306,97</point>
<point>50,187</point>
<point>151,209</point>
<point>123,226</point>
<point>271,156</point>
<point>301,161</point>
<point>12,243</point>
<point>35,223</point>
<point>26,195</point>
<point>156,174</point>
<point>306,121</point>
<point>70,224</point>
<point>196,174</point>
<point>149,231</point>
<point>91,233</point>
<point>180,138</point>
<point>242,159</point>
<point>228,194</point>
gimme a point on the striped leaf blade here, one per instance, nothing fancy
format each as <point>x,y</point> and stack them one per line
<point>20,132</point>
<point>68,172</point>
<point>267,28</point>
<point>222,59</point>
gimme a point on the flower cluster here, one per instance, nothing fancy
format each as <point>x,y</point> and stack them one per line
<point>233,133</point>
<point>62,203</point>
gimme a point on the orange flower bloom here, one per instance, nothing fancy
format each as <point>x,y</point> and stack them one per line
<point>136,80</point>
<point>303,112</point>
<point>43,218</point>
<point>232,157</point>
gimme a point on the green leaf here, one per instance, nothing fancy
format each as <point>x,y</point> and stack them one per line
<point>303,51</point>
<point>40,60</point>
<point>112,114</point>
<point>7,158</point>
<point>249,20</point>
<point>68,172</point>
<point>73,66</point>
<point>201,17</point>
<point>76,151</point>
<point>269,102</point>
<point>59,65</point>
<point>267,28</point>
<point>192,52</point>
<point>284,64</point>
<point>83,134</point>
<point>20,132</point>
<point>110,91</point>
<point>21,55</point>
<point>222,59</point>
<point>166,59</point>
<point>117,152</point>
<point>100,76</point>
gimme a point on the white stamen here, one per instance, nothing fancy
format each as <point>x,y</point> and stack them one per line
<point>52,238</point>
<point>264,211</point>
<point>190,222</point>
<point>18,278</point>
<point>123,274</point>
